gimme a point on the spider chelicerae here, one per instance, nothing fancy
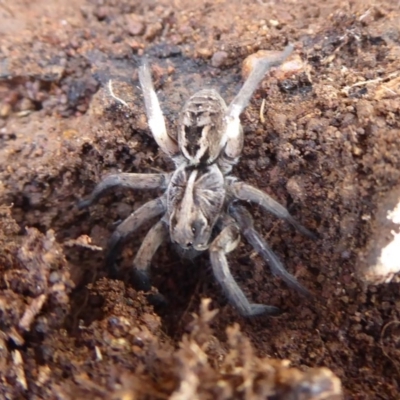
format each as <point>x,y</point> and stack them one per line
<point>200,208</point>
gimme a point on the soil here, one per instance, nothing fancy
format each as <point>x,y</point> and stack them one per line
<point>323,139</point>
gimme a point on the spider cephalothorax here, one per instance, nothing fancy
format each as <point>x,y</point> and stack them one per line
<point>195,197</point>
<point>200,208</point>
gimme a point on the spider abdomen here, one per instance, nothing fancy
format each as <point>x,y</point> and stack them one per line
<point>203,125</point>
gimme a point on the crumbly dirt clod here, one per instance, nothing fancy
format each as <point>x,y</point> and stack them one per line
<point>322,137</point>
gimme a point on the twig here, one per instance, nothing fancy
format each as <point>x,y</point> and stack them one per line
<point>19,369</point>
<point>31,311</point>
<point>110,88</point>
<point>395,322</point>
<point>262,119</point>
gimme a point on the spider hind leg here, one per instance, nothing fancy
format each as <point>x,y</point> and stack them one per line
<point>154,114</point>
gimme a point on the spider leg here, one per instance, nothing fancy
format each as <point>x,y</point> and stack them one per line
<point>154,114</point>
<point>245,222</point>
<point>144,213</point>
<point>243,191</point>
<point>234,136</point>
<point>240,102</point>
<point>223,244</point>
<point>141,264</point>
<point>126,180</point>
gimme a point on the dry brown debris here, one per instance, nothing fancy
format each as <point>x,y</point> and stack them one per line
<point>149,367</point>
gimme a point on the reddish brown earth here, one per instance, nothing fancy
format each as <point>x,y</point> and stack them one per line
<point>327,146</point>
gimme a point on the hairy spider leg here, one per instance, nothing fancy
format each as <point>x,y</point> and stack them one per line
<point>233,136</point>
<point>128,181</point>
<point>245,192</point>
<point>154,114</point>
<point>246,225</point>
<point>157,235</point>
<point>147,211</point>
<point>242,99</point>
<point>224,243</point>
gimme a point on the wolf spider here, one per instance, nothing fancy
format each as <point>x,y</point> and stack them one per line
<point>200,207</point>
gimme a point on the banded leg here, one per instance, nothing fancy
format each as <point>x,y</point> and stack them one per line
<point>245,222</point>
<point>223,244</point>
<point>144,213</point>
<point>126,180</point>
<point>141,264</point>
<point>233,134</point>
<point>154,114</point>
<point>245,192</point>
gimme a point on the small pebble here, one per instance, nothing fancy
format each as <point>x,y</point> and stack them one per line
<point>5,110</point>
<point>219,58</point>
<point>135,27</point>
<point>294,65</point>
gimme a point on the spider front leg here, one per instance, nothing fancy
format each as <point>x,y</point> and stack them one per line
<point>143,214</point>
<point>245,192</point>
<point>141,264</point>
<point>223,244</point>
<point>128,181</point>
<point>245,222</point>
<point>154,114</point>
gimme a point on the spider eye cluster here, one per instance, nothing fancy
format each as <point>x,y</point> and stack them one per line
<point>197,226</point>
